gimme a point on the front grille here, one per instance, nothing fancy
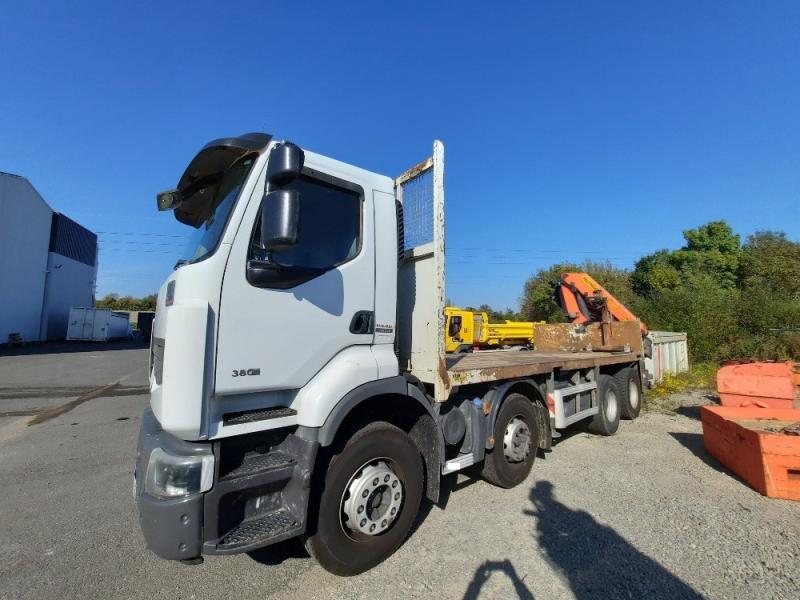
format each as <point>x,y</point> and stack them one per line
<point>157,359</point>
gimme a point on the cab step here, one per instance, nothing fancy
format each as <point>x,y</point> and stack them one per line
<point>255,463</point>
<point>266,529</point>
<point>258,469</point>
<point>259,414</point>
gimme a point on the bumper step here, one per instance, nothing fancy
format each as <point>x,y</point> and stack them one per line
<point>269,528</point>
<point>257,469</point>
<point>259,463</point>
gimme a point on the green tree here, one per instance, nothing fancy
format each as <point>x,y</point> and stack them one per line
<point>769,310</point>
<point>655,273</point>
<point>771,262</point>
<point>712,249</point>
<point>115,302</point>
<point>702,308</point>
<point>108,301</point>
<point>537,302</point>
<point>495,316</point>
<point>147,302</point>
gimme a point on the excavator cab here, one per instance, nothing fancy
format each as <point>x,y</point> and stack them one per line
<point>459,330</point>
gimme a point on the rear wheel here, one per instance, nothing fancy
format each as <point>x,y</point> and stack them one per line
<point>628,384</point>
<point>368,501</point>
<point>516,441</point>
<point>606,422</point>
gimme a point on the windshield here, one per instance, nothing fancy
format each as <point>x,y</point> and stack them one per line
<point>204,240</point>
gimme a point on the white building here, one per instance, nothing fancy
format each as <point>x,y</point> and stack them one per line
<point>48,263</point>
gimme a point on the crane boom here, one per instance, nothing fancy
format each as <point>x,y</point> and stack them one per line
<point>583,300</point>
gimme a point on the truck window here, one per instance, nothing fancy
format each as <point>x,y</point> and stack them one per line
<point>213,214</point>
<point>329,232</point>
<point>455,326</point>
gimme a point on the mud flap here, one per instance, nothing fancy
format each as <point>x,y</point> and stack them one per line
<point>543,426</point>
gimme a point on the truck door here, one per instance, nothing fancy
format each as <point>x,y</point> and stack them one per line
<point>278,339</point>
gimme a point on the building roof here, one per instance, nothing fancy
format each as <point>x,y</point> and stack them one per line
<point>67,237</point>
<point>27,182</point>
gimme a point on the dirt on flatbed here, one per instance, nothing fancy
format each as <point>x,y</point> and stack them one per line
<point>770,425</point>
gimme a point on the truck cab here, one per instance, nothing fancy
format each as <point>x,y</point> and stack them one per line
<point>299,384</point>
<point>255,338</point>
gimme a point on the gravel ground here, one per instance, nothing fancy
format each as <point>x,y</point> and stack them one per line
<point>645,513</point>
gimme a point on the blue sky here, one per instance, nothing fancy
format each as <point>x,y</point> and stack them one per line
<point>572,130</point>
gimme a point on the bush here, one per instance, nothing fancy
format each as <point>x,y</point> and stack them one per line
<point>701,376</point>
<point>734,300</point>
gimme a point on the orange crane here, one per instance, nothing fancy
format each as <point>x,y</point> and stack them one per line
<point>583,300</point>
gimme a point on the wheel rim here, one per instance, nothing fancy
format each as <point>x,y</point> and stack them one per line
<point>371,500</point>
<point>612,406</point>
<point>517,440</point>
<point>633,394</point>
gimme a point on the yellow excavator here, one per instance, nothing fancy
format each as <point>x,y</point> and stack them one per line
<point>468,330</point>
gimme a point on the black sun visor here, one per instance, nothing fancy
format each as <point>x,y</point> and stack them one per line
<point>199,182</point>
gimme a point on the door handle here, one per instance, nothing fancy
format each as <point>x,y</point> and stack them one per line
<point>362,322</point>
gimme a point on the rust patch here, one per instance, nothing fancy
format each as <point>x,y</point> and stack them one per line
<point>417,169</point>
<point>460,377</point>
<point>592,337</point>
<point>476,368</point>
<point>444,379</point>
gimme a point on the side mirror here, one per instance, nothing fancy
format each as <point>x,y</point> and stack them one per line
<point>169,199</point>
<point>285,164</point>
<point>280,218</point>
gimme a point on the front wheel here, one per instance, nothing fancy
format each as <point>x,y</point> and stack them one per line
<point>516,440</point>
<point>368,502</point>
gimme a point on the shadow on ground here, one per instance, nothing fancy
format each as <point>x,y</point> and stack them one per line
<point>34,348</point>
<point>693,412</point>
<point>448,485</point>
<point>505,567</point>
<point>275,555</point>
<point>694,443</point>
<point>595,560</point>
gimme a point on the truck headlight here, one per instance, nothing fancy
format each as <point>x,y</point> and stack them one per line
<point>170,476</point>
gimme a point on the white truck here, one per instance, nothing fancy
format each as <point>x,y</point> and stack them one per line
<point>299,381</point>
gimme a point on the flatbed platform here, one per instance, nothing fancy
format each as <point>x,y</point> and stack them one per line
<point>482,367</point>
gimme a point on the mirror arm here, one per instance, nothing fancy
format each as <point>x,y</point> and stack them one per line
<point>265,274</point>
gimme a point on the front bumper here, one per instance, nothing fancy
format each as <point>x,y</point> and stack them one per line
<point>172,527</point>
<point>259,496</point>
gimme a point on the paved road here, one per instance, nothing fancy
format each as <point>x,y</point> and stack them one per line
<point>641,514</point>
<point>45,375</point>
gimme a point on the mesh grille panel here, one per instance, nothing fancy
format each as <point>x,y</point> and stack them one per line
<point>418,210</point>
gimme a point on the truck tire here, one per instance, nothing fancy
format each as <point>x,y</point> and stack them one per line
<point>368,501</point>
<point>516,440</point>
<point>630,391</point>
<point>606,422</point>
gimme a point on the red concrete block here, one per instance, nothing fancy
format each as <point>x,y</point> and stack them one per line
<point>749,442</point>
